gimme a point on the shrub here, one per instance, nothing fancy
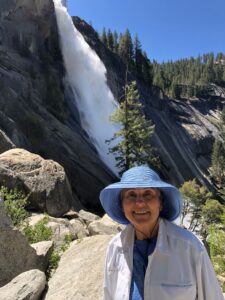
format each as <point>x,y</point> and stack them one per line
<point>53,263</point>
<point>39,232</point>
<point>67,240</point>
<point>15,202</point>
<point>216,242</point>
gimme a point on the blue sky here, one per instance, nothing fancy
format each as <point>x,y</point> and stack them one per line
<point>167,29</point>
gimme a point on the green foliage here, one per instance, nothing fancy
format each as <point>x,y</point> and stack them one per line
<point>55,257</point>
<point>53,263</point>
<point>218,162</point>
<point>110,42</point>
<point>104,37</point>
<point>14,203</point>
<point>130,52</point>
<point>217,169</point>
<point>125,48</point>
<point>204,212</point>
<point>191,76</point>
<point>212,212</point>
<point>133,145</point>
<point>216,242</point>
<point>39,232</point>
<point>195,196</point>
<point>67,240</point>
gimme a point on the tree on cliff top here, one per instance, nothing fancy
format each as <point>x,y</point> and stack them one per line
<point>134,146</point>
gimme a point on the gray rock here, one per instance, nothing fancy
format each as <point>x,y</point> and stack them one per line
<point>5,221</point>
<point>26,286</point>
<point>60,231</point>
<point>5,142</point>
<point>16,255</point>
<point>44,250</point>
<point>104,226</point>
<point>80,272</point>
<point>60,228</point>
<point>87,216</point>
<point>79,229</point>
<point>44,180</point>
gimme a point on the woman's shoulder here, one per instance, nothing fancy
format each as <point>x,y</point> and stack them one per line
<point>180,233</point>
<point>124,237</point>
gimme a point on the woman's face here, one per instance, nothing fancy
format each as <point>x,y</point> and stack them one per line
<point>141,206</point>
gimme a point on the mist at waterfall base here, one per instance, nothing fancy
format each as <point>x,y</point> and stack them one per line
<point>86,75</point>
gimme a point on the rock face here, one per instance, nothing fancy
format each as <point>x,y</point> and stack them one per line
<point>26,286</point>
<point>16,255</point>
<point>37,112</point>
<point>184,130</point>
<point>5,142</point>
<point>73,268</point>
<point>44,180</point>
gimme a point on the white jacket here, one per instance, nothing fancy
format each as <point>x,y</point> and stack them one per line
<point>178,269</point>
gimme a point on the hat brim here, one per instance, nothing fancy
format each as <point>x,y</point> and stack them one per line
<point>110,198</point>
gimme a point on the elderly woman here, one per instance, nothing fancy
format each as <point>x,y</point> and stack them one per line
<point>152,258</point>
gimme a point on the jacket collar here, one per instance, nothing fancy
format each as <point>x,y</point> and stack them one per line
<point>162,244</point>
<point>126,240</point>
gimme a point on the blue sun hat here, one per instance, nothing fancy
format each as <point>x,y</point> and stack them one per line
<point>140,177</point>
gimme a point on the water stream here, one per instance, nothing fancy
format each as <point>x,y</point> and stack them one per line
<point>86,75</point>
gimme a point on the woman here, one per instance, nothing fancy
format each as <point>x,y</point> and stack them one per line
<point>152,258</point>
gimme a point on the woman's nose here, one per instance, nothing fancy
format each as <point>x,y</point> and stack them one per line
<point>140,199</point>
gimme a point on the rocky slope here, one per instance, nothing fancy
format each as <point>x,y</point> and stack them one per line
<point>184,130</point>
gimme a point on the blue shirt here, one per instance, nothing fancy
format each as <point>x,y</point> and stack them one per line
<point>142,249</point>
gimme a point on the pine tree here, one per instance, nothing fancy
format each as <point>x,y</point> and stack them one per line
<point>217,169</point>
<point>134,146</point>
<point>104,37</point>
<point>147,70</point>
<point>137,56</point>
<point>110,40</point>
<point>115,42</point>
<point>125,49</point>
<point>218,162</point>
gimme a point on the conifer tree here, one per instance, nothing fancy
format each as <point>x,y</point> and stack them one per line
<point>104,37</point>
<point>126,48</point>
<point>133,147</point>
<point>147,70</point>
<point>110,40</point>
<point>137,56</point>
<point>115,42</point>
<point>217,169</point>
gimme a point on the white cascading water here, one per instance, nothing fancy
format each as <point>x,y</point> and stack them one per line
<point>86,75</point>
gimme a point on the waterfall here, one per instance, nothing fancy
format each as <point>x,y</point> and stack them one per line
<point>86,75</point>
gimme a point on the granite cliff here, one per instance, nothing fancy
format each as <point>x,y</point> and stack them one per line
<point>184,129</point>
<point>36,111</point>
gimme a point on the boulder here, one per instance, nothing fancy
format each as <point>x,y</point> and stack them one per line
<point>104,226</point>
<point>79,229</point>
<point>5,221</point>
<point>87,217</point>
<point>60,228</point>
<point>44,250</point>
<point>80,272</point>
<point>16,255</point>
<point>26,286</point>
<point>44,180</point>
